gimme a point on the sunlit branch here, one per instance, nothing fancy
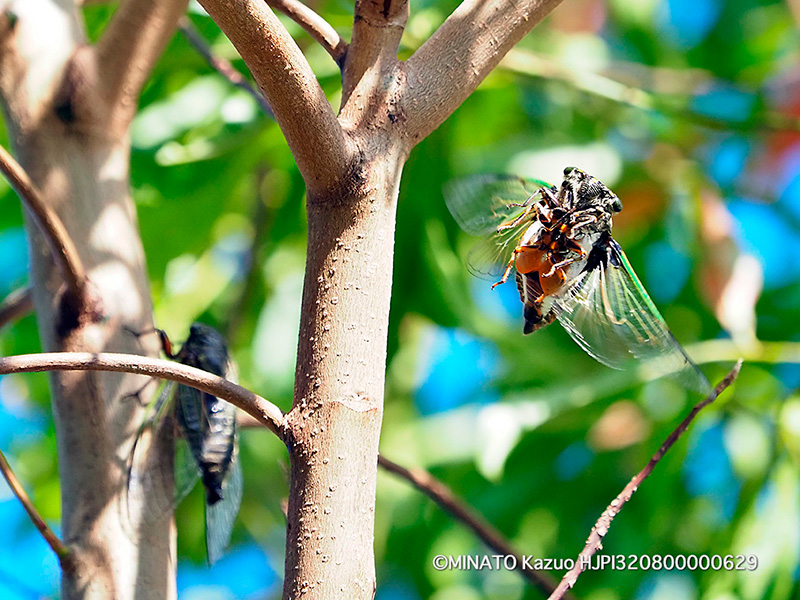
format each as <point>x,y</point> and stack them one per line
<point>453,61</point>
<point>600,529</point>
<point>301,108</point>
<point>129,47</point>
<point>314,25</point>
<point>444,497</point>
<point>62,552</point>
<point>372,56</point>
<point>261,409</point>
<point>64,252</point>
<point>15,306</point>
<point>221,65</point>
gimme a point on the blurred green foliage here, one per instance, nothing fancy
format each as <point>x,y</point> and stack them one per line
<point>689,111</point>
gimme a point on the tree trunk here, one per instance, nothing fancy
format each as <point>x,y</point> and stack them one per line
<point>336,419</point>
<point>67,107</point>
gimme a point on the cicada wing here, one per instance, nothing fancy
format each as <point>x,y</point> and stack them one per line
<point>481,203</point>
<point>161,470</point>
<point>221,516</point>
<point>186,472</point>
<point>607,311</point>
<point>492,207</point>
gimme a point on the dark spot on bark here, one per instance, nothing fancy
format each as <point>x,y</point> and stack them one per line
<point>387,5</point>
<point>68,317</point>
<point>73,311</point>
<point>65,111</point>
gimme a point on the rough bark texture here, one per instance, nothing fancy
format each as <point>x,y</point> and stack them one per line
<point>335,422</point>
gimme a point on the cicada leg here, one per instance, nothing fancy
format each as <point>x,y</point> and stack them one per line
<point>509,266</point>
<point>519,219</point>
<point>566,262</point>
<point>587,220</point>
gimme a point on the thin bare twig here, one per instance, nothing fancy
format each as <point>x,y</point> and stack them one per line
<point>444,497</point>
<point>62,552</point>
<point>64,252</point>
<point>221,65</point>
<point>314,25</point>
<point>600,529</point>
<point>260,408</point>
<point>16,305</point>
<point>533,65</point>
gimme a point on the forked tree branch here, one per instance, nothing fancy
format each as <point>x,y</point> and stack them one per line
<point>62,552</point>
<point>253,404</point>
<point>600,529</point>
<point>444,497</point>
<point>130,46</point>
<point>314,25</point>
<point>291,88</point>
<point>221,65</point>
<point>61,245</point>
<point>15,306</point>
<point>470,43</point>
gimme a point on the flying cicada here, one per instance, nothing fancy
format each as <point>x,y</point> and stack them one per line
<point>203,430</point>
<point>568,267</point>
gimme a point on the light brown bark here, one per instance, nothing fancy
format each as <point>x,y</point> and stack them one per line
<point>67,114</point>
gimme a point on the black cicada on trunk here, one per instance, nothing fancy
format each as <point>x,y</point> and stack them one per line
<point>205,439</point>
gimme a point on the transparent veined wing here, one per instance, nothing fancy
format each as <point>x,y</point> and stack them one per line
<point>607,311</point>
<point>221,516</point>
<point>161,468</point>
<point>493,208</point>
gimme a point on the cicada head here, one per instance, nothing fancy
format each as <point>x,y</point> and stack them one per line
<point>583,192</point>
<point>205,348</point>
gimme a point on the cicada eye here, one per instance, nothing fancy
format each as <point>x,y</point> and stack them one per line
<point>568,170</point>
<point>616,205</point>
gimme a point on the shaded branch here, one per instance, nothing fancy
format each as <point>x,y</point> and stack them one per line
<point>221,65</point>
<point>600,529</point>
<point>16,305</point>
<point>444,497</point>
<point>63,249</point>
<point>297,100</point>
<point>314,25</point>
<point>62,552</point>
<point>468,45</point>
<point>260,408</point>
<point>130,46</point>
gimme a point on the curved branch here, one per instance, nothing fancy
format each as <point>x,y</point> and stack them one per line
<point>314,25</point>
<point>303,112</point>
<point>221,65</point>
<point>444,497</point>
<point>16,305</point>
<point>469,44</point>
<point>130,46</point>
<point>64,252</point>
<point>253,404</point>
<point>62,552</point>
<point>600,529</point>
